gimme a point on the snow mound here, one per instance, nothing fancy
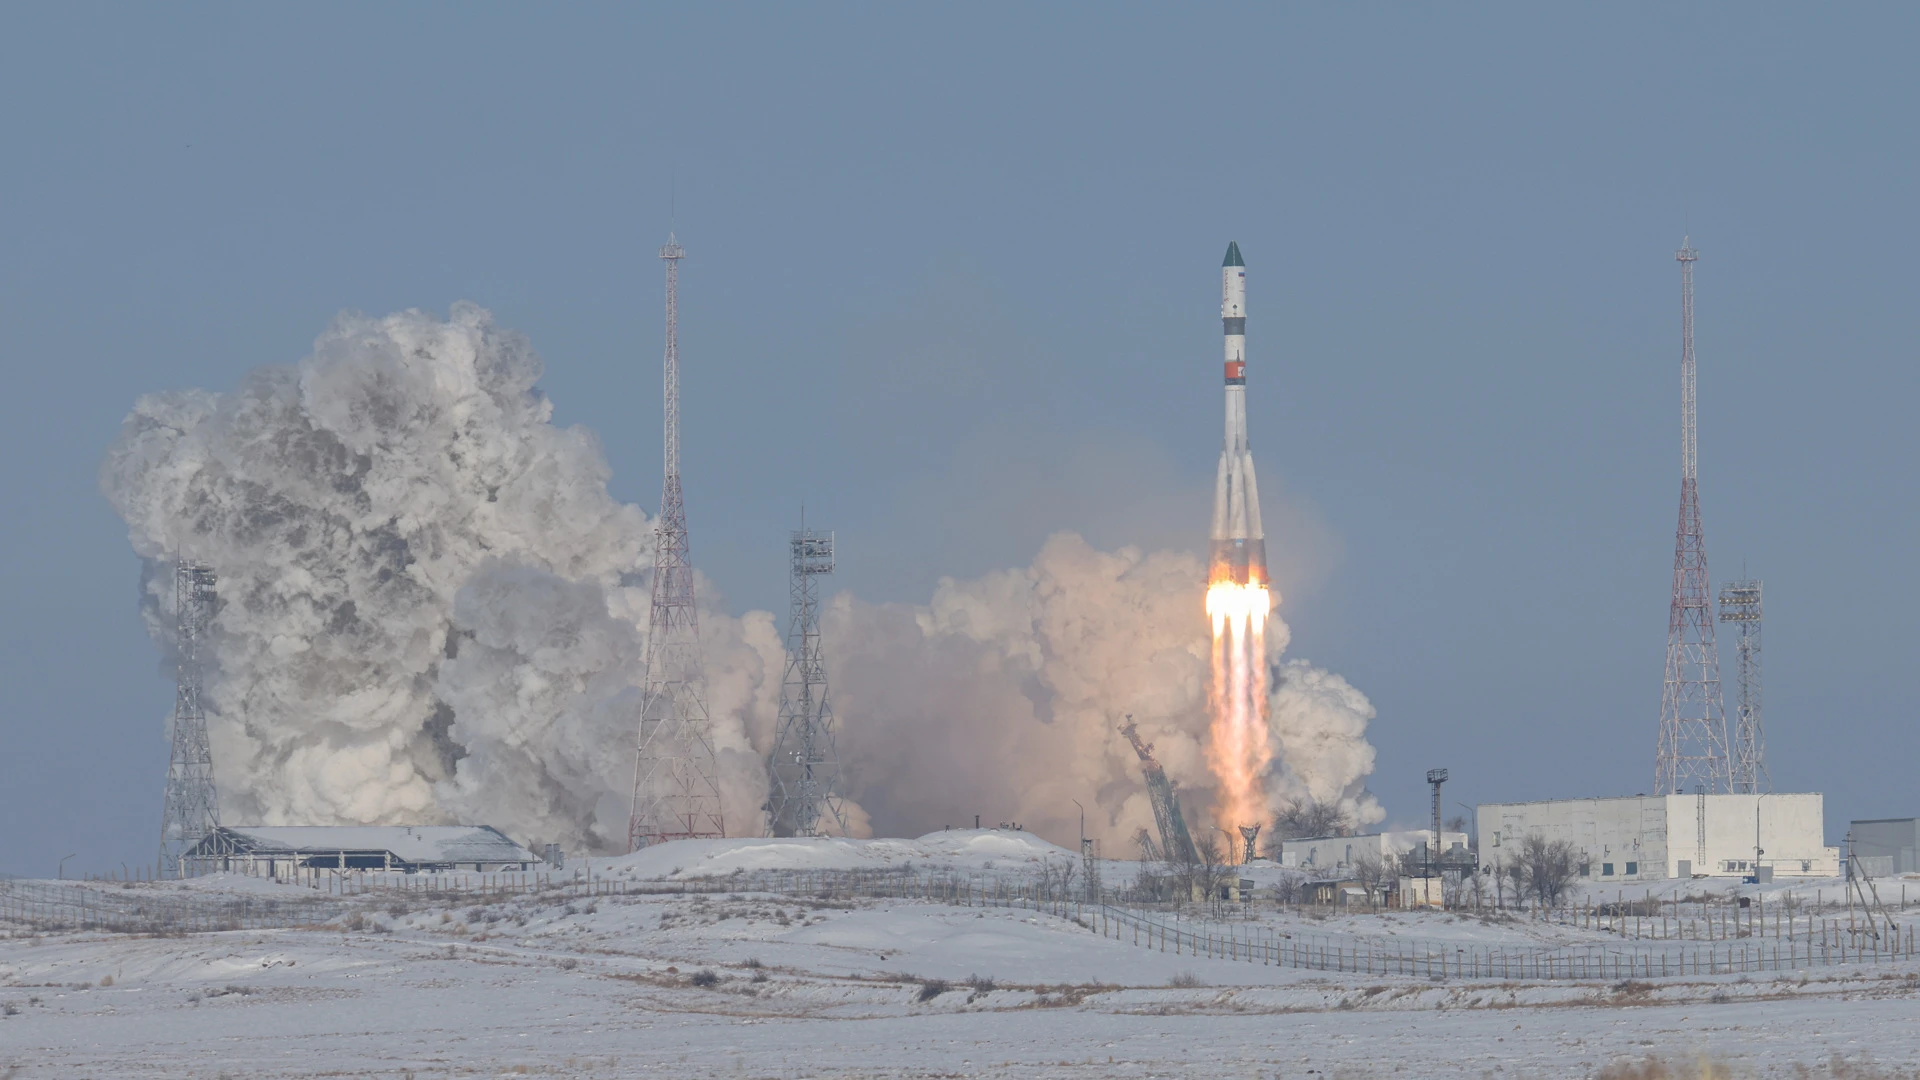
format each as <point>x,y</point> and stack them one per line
<point>955,850</point>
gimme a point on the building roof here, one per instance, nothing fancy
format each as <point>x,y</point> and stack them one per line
<point>407,843</point>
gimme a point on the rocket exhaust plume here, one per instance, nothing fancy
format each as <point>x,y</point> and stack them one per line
<point>1238,597</point>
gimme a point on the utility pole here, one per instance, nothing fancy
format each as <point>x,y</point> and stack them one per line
<point>1693,748</point>
<point>676,789</point>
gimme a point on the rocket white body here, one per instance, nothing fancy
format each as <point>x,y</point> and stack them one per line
<point>1239,546</point>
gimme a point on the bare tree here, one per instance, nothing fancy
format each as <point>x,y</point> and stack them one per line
<point>1056,878</point>
<point>1373,871</point>
<point>1309,818</point>
<point>1289,889</point>
<point>1207,875</point>
<point>1545,869</point>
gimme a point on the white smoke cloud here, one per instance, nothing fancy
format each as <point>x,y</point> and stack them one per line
<point>432,610</point>
<point>1004,696</point>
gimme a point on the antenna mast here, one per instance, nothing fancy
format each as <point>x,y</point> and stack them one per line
<point>192,808</point>
<point>1693,748</point>
<point>676,792</point>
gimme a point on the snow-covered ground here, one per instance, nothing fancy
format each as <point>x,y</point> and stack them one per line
<point>759,985</point>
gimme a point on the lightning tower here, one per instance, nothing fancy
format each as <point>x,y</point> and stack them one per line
<point>1693,723</point>
<point>192,809</point>
<point>1740,605</point>
<point>676,791</point>
<point>805,767</point>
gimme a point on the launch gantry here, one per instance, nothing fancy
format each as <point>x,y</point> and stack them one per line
<point>1175,842</point>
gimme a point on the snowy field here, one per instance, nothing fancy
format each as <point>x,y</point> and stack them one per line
<point>758,985</point>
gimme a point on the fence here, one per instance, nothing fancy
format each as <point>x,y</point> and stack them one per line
<point>141,911</point>
<point>1734,947</point>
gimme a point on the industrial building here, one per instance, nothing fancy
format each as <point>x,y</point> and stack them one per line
<point>1887,846</point>
<point>1650,837</point>
<point>1337,854</point>
<point>271,850</point>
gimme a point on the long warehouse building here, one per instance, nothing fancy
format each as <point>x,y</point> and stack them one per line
<point>1651,837</point>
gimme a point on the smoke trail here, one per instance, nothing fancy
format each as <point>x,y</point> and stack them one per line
<point>433,611</point>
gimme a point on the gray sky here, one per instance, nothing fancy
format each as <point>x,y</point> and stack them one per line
<point>953,281</point>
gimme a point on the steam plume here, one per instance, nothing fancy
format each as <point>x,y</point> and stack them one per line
<point>433,611</point>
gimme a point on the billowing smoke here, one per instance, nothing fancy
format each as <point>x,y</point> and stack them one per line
<point>431,608</point>
<point>1003,698</point>
<point>433,611</point>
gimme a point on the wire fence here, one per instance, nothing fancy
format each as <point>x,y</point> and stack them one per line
<point>1729,944</point>
<point>44,906</point>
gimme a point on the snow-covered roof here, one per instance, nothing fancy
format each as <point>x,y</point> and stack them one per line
<point>429,844</point>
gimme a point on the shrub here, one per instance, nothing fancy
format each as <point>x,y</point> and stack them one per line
<point>933,988</point>
<point>703,978</point>
<point>1185,980</point>
<point>981,984</point>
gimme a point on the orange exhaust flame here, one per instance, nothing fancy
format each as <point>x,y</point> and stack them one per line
<point>1239,752</point>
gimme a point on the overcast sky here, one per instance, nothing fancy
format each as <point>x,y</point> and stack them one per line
<point>952,281</point>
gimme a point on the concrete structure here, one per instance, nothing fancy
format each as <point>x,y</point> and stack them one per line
<point>275,849</point>
<point>1887,846</point>
<point>1650,837</point>
<point>1336,854</point>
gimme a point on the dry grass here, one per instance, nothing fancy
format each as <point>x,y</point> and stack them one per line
<point>1704,1069</point>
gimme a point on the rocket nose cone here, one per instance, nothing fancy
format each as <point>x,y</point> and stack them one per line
<point>1233,254</point>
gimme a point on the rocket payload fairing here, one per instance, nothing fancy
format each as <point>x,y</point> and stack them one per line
<point>1239,548</point>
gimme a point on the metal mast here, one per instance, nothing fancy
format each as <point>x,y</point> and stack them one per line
<point>1693,723</point>
<point>1740,604</point>
<point>805,766</point>
<point>192,808</point>
<point>676,792</point>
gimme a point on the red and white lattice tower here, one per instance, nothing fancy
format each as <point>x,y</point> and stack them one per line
<point>676,792</point>
<point>1693,721</point>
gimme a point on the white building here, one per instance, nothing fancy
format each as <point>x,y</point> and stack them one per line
<point>411,848</point>
<point>1649,837</point>
<point>1336,854</point>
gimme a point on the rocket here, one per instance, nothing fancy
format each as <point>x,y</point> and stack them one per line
<point>1238,552</point>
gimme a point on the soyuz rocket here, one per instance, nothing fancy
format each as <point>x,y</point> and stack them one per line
<point>1238,552</point>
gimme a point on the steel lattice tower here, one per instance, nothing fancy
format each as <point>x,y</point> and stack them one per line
<point>1740,605</point>
<point>805,765</point>
<point>1693,722</point>
<point>676,790</point>
<point>192,808</point>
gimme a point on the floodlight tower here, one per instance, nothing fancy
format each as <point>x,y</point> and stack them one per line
<point>676,789</point>
<point>1693,723</point>
<point>192,807</point>
<point>1740,605</point>
<point>1435,777</point>
<point>805,767</point>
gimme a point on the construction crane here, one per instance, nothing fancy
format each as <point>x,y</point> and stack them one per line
<point>1174,840</point>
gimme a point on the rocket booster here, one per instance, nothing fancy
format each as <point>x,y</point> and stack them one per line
<point>1239,546</point>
